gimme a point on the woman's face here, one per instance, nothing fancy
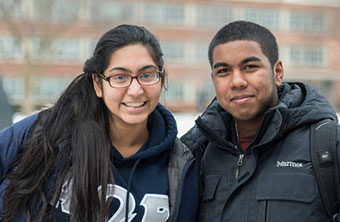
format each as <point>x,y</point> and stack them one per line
<point>133,104</point>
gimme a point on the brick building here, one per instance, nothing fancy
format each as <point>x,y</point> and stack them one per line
<point>306,30</point>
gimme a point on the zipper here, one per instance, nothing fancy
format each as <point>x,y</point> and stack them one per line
<point>239,164</point>
<point>265,211</point>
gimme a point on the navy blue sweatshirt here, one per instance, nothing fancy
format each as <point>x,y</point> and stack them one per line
<point>143,177</point>
<point>145,174</point>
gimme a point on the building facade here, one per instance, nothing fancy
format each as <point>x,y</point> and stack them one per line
<point>306,30</point>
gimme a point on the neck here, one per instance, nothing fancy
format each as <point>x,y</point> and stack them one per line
<point>128,139</point>
<point>247,128</point>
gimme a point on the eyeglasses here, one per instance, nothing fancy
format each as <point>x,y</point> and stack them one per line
<point>122,80</point>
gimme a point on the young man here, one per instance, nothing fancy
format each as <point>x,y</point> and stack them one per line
<point>256,164</point>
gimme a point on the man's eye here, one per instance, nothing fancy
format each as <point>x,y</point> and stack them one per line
<point>224,71</point>
<point>250,67</point>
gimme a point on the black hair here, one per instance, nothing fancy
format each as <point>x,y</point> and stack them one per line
<point>119,37</point>
<point>249,31</point>
<point>80,121</point>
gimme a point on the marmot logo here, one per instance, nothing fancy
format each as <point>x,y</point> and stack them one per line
<point>288,164</point>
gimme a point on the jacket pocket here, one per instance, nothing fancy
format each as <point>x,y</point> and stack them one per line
<point>288,196</point>
<point>208,203</point>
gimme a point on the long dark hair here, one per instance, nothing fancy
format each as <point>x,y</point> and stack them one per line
<point>72,143</point>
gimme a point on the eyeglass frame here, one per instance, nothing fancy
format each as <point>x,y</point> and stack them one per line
<point>161,74</point>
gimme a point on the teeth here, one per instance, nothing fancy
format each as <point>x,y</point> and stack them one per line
<point>134,104</point>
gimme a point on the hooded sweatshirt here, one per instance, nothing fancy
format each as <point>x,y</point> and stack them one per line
<point>140,191</point>
<point>141,180</point>
<point>144,175</point>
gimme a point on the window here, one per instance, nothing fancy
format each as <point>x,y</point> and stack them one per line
<point>173,51</point>
<point>174,14</point>
<point>10,8</point>
<point>92,47</point>
<point>66,49</point>
<point>112,10</point>
<point>50,88</point>
<point>202,52</point>
<point>164,13</point>
<point>56,10</point>
<point>10,48</point>
<point>175,91</point>
<point>213,16</point>
<point>307,56</point>
<point>307,21</point>
<point>62,49</point>
<point>205,92</point>
<point>14,87</point>
<point>41,48</point>
<point>266,17</point>
<point>208,91</point>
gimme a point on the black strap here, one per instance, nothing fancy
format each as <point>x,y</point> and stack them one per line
<point>324,159</point>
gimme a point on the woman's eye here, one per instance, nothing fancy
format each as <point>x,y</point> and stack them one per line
<point>146,76</point>
<point>120,78</point>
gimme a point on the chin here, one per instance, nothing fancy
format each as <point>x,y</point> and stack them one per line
<point>244,116</point>
<point>136,120</point>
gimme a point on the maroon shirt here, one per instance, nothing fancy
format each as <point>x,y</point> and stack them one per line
<point>245,142</point>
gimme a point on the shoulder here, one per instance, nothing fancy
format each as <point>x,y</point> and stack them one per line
<point>191,137</point>
<point>180,150</point>
<point>11,138</point>
<point>211,116</point>
<point>19,130</point>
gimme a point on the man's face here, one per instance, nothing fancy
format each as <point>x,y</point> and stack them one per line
<point>244,80</point>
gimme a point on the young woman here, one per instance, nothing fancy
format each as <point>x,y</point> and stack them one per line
<point>107,150</point>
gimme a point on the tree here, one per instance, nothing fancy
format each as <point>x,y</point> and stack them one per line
<point>35,25</point>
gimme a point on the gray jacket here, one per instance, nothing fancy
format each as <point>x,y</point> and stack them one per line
<point>183,184</point>
<point>274,179</point>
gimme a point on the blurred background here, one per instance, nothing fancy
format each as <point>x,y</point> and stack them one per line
<point>44,44</point>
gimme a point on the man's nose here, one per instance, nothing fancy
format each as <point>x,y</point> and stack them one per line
<point>238,80</point>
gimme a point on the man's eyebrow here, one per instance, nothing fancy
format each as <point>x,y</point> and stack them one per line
<point>219,64</point>
<point>246,60</point>
<point>250,59</point>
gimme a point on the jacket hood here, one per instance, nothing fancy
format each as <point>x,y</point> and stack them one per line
<point>299,104</point>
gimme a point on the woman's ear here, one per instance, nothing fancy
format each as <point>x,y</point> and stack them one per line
<point>164,79</point>
<point>97,85</point>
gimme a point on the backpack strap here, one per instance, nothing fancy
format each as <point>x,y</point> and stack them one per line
<point>325,162</point>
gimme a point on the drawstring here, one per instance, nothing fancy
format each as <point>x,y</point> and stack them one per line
<point>128,191</point>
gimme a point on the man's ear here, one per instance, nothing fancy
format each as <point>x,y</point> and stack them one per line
<point>278,73</point>
<point>97,85</point>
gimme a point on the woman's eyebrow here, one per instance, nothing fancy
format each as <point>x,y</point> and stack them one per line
<point>147,67</point>
<point>120,69</point>
<point>128,70</point>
